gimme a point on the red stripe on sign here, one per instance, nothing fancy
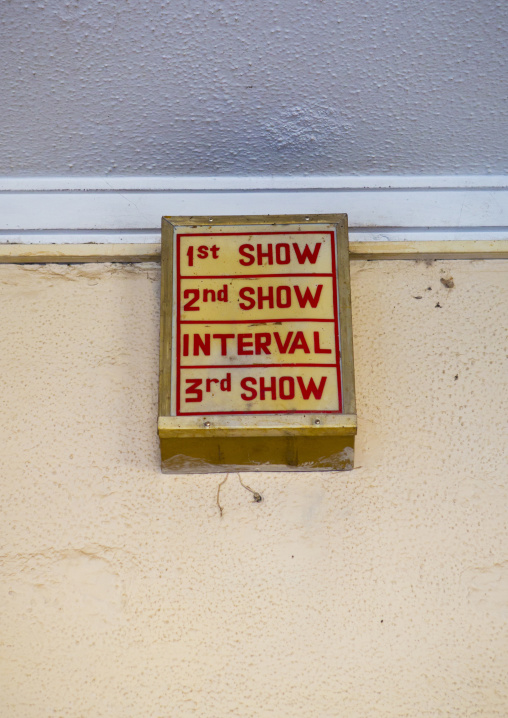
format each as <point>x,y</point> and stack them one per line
<point>178,325</point>
<point>286,411</point>
<point>246,366</point>
<point>336,314</point>
<point>250,321</point>
<point>256,234</point>
<point>248,276</point>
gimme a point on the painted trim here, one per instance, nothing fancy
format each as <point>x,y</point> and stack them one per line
<point>356,235</point>
<point>449,249</point>
<point>127,210</point>
<point>72,253</point>
<point>249,184</point>
<point>370,210</point>
<point>78,253</point>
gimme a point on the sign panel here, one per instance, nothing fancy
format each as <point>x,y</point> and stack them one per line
<point>255,323</point>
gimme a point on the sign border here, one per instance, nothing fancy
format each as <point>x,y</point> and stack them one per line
<point>336,322</point>
<point>173,225</point>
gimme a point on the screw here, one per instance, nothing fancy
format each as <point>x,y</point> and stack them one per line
<point>317,422</point>
<point>207,424</point>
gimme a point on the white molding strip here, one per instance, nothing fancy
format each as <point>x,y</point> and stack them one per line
<point>250,184</point>
<point>373,209</point>
<point>127,210</point>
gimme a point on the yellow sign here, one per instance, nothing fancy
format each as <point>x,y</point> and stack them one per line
<point>255,327</point>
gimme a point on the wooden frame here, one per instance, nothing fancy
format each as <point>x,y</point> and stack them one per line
<point>277,440</point>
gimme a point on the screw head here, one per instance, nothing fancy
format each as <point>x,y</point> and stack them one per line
<point>207,424</point>
<point>317,422</point>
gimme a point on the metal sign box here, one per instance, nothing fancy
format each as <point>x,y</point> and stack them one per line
<point>256,353</point>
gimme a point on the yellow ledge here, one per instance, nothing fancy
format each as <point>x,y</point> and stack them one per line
<point>79,253</point>
<point>179,427</point>
<point>450,249</point>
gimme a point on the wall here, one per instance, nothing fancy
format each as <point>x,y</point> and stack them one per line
<point>225,87</point>
<point>378,592</point>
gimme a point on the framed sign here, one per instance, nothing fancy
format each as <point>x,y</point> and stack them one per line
<point>256,355</point>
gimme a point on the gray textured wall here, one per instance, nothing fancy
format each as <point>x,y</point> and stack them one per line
<point>235,87</point>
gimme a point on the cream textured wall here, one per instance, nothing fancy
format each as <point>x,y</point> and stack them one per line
<point>377,593</point>
<point>205,87</point>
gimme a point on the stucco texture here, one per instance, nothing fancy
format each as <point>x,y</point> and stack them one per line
<point>221,87</point>
<point>379,592</point>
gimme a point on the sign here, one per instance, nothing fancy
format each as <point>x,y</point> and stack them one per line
<point>252,330</point>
